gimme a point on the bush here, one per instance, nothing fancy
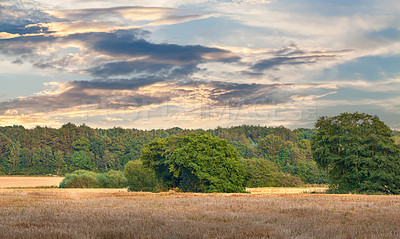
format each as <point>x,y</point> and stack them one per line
<point>80,179</point>
<point>88,179</point>
<point>112,179</point>
<point>140,178</point>
<point>264,173</point>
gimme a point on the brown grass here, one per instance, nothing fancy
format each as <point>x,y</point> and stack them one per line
<point>280,190</point>
<point>113,213</point>
<point>29,182</point>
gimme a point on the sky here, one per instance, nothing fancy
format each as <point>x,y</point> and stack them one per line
<point>197,64</point>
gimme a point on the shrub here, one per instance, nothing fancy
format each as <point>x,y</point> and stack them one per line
<point>80,179</point>
<point>88,179</point>
<point>264,173</point>
<point>112,179</point>
<point>140,178</point>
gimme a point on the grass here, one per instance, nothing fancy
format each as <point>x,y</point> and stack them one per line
<point>116,213</point>
<point>286,190</point>
<point>29,181</point>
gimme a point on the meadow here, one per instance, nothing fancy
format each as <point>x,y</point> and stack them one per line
<point>116,213</point>
<point>29,182</point>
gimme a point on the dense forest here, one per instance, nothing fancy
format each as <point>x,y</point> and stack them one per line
<point>275,156</point>
<point>280,153</point>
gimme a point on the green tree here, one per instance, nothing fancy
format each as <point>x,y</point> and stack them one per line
<point>59,161</point>
<point>262,173</point>
<point>108,160</point>
<point>196,162</point>
<point>82,144</point>
<point>48,161</point>
<point>14,158</point>
<point>140,178</point>
<point>80,179</point>
<point>270,146</point>
<point>4,145</point>
<point>359,153</point>
<point>112,179</point>
<point>83,160</point>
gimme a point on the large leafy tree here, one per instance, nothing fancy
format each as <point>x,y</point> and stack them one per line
<point>196,162</point>
<point>270,146</point>
<point>359,153</point>
<point>140,178</point>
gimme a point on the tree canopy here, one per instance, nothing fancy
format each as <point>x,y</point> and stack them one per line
<point>359,153</point>
<point>44,151</point>
<point>196,162</point>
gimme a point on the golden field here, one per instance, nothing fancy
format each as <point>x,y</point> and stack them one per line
<point>29,182</point>
<point>116,213</point>
<point>287,190</point>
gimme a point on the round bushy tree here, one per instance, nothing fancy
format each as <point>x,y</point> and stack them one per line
<point>359,153</point>
<point>270,146</point>
<point>196,162</point>
<point>80,179</point>
<point>112,179</point>
<point>140,178</point>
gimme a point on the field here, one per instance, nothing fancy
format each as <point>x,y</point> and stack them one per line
<point>113,213</point>
<point>29,182</point>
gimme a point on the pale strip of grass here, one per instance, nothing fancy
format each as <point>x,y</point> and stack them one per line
<point>285,190</point>
<point>28,182</point>
<point>115,213</point>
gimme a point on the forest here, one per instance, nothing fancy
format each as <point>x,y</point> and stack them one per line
<point>274,156</point>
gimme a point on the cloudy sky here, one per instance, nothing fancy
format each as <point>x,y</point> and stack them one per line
<point>197,64</point>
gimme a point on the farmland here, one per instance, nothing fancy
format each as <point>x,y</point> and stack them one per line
<point>116,213</point>
<point>29,182</point>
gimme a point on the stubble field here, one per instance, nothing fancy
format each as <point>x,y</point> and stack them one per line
<point>114,213</point>
<point>29,182</point>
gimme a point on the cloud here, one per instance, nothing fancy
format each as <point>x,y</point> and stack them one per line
<point>250,55</point>
<point>291,56</point>
<point>69,28</point>
<point>15,15</point>
<point>110,54</point>
<point>128,13</point>
<point>122,68</point>
<point>169,20</point>
<point>143,16</point>
<point>6,35</point>
<point>273,63</point>
<point>110,98</point>
<point>125,44</point>
<point>27,17</point>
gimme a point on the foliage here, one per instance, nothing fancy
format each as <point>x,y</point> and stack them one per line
<point>112,179</point>
<point>44,151</point>
<point>88,179</point>
<point>359,153</point>
<point>244,150</point>
<point>270,146</point>
<point>80,179</point>
<point>140,178</point>
<point>264,173</point>
<point>196,162</point>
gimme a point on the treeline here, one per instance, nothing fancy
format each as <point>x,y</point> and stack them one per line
<point>275,156</point>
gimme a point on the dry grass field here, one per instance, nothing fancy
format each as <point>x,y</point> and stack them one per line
<point>278,190</point>
<point>113,213</point>
<point>29,182</point>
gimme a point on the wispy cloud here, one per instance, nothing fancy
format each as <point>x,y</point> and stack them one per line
<point>71,98</point>
<point>292,55</point>
<point>101,54</point>
<point>209,62</point>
